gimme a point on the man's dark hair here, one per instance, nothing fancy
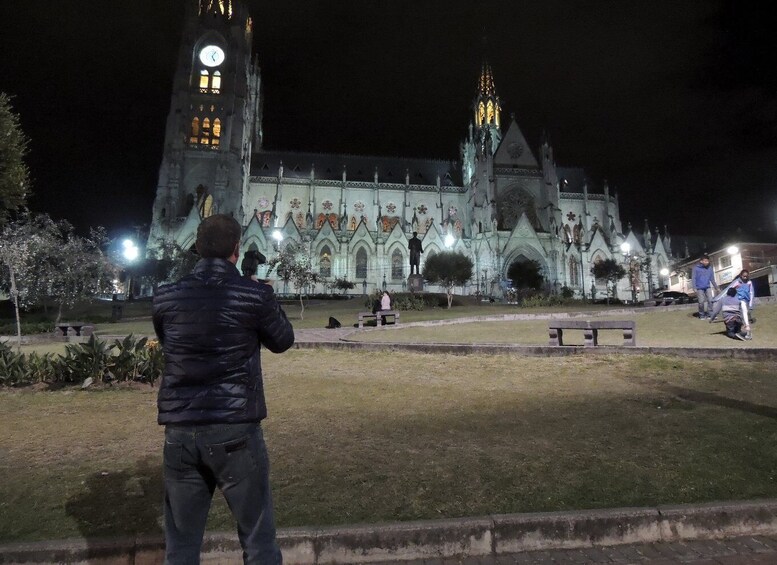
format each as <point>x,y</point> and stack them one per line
<point>731,291</point>
<point>217,236</point>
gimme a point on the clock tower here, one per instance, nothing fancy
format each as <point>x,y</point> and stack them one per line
<point>213,125</point>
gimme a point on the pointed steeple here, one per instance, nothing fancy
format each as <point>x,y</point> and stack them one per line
<point>487,110</point>
<point>222,8</point>
<point>487,105</point>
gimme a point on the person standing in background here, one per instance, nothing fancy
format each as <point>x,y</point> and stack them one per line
<point>703,280</point>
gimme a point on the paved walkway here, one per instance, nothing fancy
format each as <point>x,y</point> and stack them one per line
<point>750,550</point>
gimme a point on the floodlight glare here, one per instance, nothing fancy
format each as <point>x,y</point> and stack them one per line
<point>664,272</point>
<point>131,252</point>
<point>277,236</point>
<point>449,240</point>
<point>732,250</point>
<point>625,247</point>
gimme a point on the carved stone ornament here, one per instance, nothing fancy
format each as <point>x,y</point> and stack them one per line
<point>515,150</point>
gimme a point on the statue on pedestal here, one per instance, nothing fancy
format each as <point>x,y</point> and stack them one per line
<point>414,245</point>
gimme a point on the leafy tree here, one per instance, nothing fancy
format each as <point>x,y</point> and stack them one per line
<point>611,271</point>
<point>342,284</point>
<point>14,175</point>
<point>25,245</point>
<point>448,269</point>
<point>293,265</point>
<point>526,274</point>
<point>171,263</point>
<point>79,268</point>
<point>46,259</point>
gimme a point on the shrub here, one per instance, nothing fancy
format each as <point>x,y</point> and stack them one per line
<point>18,369</point>
<point>130,359</point>
<point>83,361</point>
<point>28,328</point>
<point>12,370</point>
<point>136,360</point>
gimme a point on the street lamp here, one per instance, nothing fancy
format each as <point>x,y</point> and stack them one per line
<point>664,272</point>
<point>130,252</point>
<point>629,258</point>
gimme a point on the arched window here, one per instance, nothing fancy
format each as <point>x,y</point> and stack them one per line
<point>204,80</point>
<point>216,131</point>
<point>325,262</point>
<point>215,83</point>
<point>205,139</point>
<point>599,281</point>
<point>490,112</point>
<point>481,117</point>
<point>397,265</point>
<point>195,136</point>
<point>361,263</point>
<point>574,272</point>
<point>206,207</point>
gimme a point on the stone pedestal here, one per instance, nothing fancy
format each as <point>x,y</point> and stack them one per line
<point>415,283</point>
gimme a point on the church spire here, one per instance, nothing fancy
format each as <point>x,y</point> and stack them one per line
<point>487,105</point>
<point>222,8</point>
<point>487,109</point>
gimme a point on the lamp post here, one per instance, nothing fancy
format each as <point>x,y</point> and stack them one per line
<point>277,235</point>
<point>629,260</point>
<point>664,273</point>
<point>130,252</point>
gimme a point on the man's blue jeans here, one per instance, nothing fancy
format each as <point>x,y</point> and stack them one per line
<point>233,457</point>
<point>705,296</point>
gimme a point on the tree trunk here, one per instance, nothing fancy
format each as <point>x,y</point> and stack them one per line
<point>59,315</point>
<point>301,307</point>
<point>15,297</point>
<point>450,298</point>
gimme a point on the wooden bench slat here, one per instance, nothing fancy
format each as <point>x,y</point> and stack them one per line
<point>378,316</point>
<point>591,330</point>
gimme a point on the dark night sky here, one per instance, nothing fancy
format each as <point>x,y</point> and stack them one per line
<point>675,102</point>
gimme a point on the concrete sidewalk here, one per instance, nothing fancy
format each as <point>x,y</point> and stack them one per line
<point>665,534</point>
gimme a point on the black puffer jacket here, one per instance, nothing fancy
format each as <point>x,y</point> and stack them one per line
<point>211,324</point>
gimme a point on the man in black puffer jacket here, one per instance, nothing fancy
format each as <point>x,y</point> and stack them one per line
<point>211,399</point>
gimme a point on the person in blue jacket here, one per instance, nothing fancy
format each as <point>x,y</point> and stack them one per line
<point>703,280</point>
<point>744,292</point>
<point>211,325</point>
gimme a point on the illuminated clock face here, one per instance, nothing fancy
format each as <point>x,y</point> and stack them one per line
<point>212,55</point>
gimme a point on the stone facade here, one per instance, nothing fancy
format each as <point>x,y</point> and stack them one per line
<point>356,214</point>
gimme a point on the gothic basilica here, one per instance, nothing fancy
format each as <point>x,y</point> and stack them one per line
<point>503,201</point>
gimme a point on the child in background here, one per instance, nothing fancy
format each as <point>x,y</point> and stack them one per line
<point>731,308</point>
<point>744,290</point>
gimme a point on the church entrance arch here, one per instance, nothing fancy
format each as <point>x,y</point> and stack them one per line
<point>526,268</point>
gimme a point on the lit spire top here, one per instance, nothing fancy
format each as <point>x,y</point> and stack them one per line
<point>487,105</point>
<point>216,7</point>
<point>486,83</point>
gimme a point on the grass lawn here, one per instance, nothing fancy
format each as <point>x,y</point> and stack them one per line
<point>137,314</point>
<point>658,328</point>
<point>402,436</point>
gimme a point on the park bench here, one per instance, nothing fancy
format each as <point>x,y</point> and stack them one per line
<point>378,316</point>
<point>65,327</point>
<point>591,330</point>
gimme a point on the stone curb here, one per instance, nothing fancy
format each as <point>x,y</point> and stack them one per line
<point>439,539</point>
<point>745,354</point>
